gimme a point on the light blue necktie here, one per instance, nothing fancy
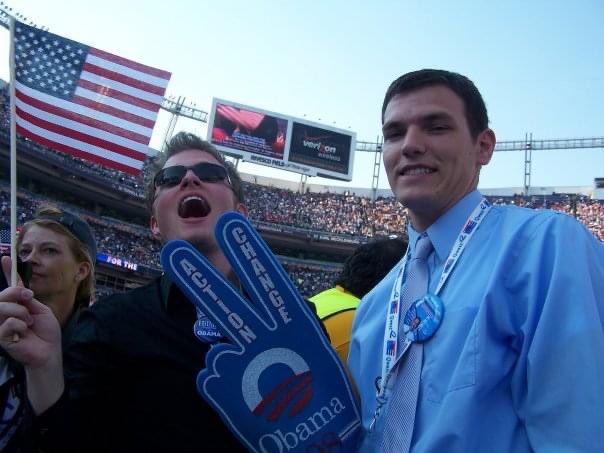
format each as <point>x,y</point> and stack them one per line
<point>400,414</point>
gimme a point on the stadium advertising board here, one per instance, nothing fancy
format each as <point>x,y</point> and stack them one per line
<point>117,261</point>
<point>327,150</point>
<point>128,265</point>
<point>280,141</point>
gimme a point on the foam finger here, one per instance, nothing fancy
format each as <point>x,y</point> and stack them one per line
<point>211,293</point>
<point>263,277</point>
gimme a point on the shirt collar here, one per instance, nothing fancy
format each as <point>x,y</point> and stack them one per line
<point>171,292</point>
<point>446,229</point>
<point>166,286</point>
<point>172,298</point>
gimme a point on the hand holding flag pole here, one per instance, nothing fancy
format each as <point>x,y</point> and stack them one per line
<point>13,162</point>
<point>83,101</point>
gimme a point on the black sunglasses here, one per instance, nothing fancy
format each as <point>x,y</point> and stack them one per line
<point>206,172</point>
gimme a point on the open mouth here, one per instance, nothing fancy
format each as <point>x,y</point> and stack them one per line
<point>193,206</point>
<point>417,171</point>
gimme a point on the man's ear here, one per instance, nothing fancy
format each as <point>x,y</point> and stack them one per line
<point>154,228</point>
<point>485,142</point>
<point>242,209</point>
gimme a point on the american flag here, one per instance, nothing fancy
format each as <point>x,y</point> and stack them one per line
<point>5,242</point>
<point>469,227</point>
<point>390,347</point>
<point>84,101</point>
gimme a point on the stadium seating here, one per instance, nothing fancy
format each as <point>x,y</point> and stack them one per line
<point>337,214</point>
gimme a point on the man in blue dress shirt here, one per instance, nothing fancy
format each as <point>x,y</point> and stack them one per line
<point>518,362</point>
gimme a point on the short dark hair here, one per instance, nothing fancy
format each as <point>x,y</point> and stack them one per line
<point>369,264</point>
<point>474,106</point>
<point>183,141</point>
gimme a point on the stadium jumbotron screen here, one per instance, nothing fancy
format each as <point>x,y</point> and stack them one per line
<point>324,149</point>
<point>281,141</point>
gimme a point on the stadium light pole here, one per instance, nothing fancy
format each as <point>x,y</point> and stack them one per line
<point>377,162</point>
<point>303,182</point>
<point>528,156</point>
<point>173,119</point>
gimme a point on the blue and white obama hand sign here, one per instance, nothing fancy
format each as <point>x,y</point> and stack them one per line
<point>278,385</point>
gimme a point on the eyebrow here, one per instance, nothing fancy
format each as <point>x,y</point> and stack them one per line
<point>427,118</point>
<point>41,244</point>
<point>438,116</point>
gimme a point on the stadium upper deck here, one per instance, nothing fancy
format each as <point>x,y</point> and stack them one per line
<point>328,219</point>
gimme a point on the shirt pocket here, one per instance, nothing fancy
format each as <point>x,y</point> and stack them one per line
<point>450,357</point>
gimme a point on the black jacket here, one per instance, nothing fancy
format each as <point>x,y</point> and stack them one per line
<point>131,369</point>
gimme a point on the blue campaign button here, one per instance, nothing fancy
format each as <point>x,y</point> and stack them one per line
<point>423,318</point>
<point>205,330</point>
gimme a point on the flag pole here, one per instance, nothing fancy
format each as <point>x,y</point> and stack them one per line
<point>13,156</point>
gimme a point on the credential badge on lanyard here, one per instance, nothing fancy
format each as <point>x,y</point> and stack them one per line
<point>424,316</point>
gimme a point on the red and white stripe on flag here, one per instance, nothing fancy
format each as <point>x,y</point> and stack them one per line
<point>80,100</point>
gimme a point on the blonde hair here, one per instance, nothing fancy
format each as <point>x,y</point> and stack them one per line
<point>80,251</point>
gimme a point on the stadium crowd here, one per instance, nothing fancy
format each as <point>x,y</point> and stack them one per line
<point>134,243</point>
<point>340,214</point>
<point>349,215</point>
<point>334,213</point>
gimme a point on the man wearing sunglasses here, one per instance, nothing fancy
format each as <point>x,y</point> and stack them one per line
<point>131,369</point>
<point>186,197</point>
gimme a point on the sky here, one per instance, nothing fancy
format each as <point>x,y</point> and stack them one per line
<point>539,65</point>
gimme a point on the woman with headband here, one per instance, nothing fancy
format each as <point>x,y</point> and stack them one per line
<point>59,251</point>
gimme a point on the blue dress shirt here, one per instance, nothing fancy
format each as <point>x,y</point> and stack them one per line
<point>518,362</point>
